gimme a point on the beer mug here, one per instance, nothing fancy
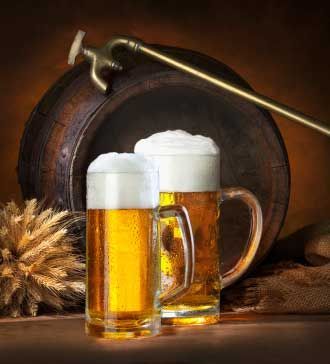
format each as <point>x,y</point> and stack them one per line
<point>189,168</point>
<point>123,247</point>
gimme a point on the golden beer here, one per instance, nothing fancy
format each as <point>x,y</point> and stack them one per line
<point>189,175</point>
<point>122,269</point>
<point>123,247</point>
<point>203,295</point>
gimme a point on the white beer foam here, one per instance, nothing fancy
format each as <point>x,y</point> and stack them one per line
<point>122,181</point>
<point>187,163</point>
<point>176,142</point>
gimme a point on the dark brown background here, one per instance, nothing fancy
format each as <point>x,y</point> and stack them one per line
<point>282,49</point>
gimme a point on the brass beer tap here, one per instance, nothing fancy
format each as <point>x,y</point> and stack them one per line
<point>102,58</point>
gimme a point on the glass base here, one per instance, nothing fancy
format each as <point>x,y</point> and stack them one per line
<point>191,316</point>
<point>121,333</point>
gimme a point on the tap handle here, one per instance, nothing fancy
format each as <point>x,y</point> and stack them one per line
<point>76,47</point>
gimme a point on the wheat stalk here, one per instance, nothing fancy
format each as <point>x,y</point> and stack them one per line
<point>38,261</point>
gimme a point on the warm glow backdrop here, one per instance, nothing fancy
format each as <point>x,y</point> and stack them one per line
<point>281,49</point>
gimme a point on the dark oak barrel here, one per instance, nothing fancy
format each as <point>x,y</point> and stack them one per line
<point>73,123</point>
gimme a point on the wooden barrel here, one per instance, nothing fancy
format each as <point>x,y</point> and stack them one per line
<point>73,123</point>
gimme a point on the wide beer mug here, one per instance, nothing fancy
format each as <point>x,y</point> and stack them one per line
<point>189,167</point>
<point>123,247</point>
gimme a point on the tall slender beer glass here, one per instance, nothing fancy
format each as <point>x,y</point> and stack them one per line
<point>123,248</point>
<point>189,167</point>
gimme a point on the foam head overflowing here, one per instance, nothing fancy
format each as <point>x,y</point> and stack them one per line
<point>122,181</point>
<point>187,163</point>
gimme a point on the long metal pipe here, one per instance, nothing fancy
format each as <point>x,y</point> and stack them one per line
<point>252,96</point>
<point>103,57</point>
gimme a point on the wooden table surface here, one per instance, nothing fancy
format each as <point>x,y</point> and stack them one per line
<point>237,339</point>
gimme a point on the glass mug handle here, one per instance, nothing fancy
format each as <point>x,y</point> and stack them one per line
<point>255,232</point>
<point>182,216</point>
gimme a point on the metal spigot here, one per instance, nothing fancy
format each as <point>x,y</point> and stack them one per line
<point>102,58</point>
<point>99,58</point>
